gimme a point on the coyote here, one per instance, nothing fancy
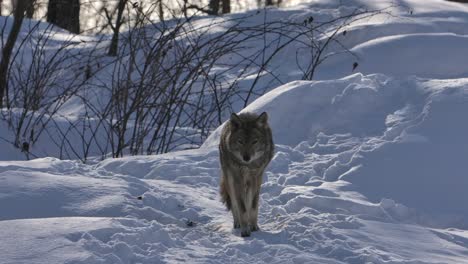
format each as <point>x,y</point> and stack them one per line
<point>245,149</point>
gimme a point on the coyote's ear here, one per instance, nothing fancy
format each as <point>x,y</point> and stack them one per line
<point>262,119</point>
<point>235,120</point>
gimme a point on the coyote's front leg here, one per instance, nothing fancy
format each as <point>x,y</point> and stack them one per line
<point>253,220</point>
<point>238,206</point>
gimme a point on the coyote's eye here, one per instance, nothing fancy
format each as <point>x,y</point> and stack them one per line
<point>254,141</point>
<point>240,142</point>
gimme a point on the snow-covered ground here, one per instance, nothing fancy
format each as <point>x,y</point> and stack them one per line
<point>370,167</point>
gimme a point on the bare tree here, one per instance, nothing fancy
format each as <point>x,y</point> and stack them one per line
<point>214,6</point>
<point>168,86</point>
<point>41,81</point>
<point>161,9</point>
<point>269,3</point>
<point>116,28</point>
<point>31,8</point>
<point>13,4</point>
<point>226,6</point>
<point>8,48</point>
<point>65,14</point>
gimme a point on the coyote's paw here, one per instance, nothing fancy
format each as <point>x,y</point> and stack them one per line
<point>236,225</point>
<point>254,228</point>
<point>245,232</point>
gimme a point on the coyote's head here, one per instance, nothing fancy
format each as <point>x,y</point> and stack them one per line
<point>250,136</point>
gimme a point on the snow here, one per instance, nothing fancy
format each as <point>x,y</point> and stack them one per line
<point>403,55</point>
<point>47,240</point>
<point>303,218</point>
<point>370,166</point>
<point>52,191</point>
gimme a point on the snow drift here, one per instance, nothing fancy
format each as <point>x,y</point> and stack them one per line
<point>400,139</point>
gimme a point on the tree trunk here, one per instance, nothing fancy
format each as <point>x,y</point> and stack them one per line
<point>13,5</point>
<point>65,14</point>
<point>9,45</point>
<point>226,6</point>
<point>269,2</point>
<point>114,46</point>
<point>161,10</point>
<point>214,6</point>
<point>31,8</point>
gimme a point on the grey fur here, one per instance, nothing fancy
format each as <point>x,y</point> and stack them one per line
<point>245,149</point>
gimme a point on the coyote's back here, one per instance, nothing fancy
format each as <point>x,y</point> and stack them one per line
<point>245,149</point>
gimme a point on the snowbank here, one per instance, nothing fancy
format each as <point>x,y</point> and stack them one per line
<point>434,55</point>
<point>357,105</point>
<point>402,139</point>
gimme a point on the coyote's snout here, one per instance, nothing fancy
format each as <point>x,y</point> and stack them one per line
<point>245,150</point>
